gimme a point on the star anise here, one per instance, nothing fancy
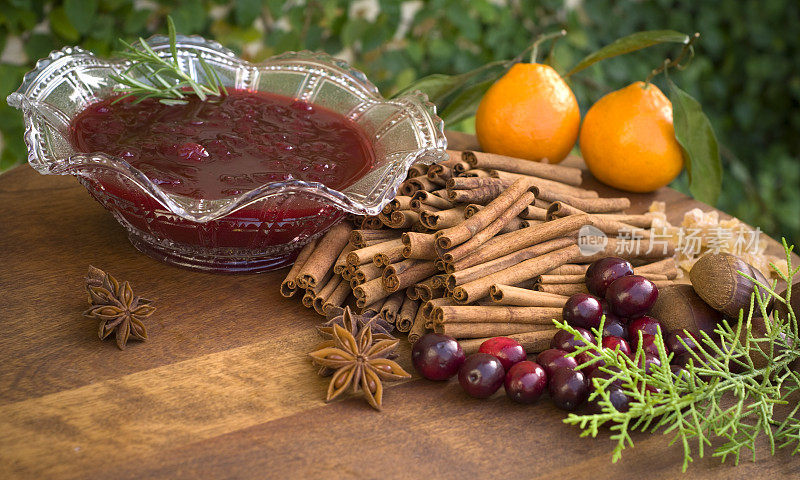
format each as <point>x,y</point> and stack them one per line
<point>360,363</point>
<point>345,318</point>
<point>117,308</point>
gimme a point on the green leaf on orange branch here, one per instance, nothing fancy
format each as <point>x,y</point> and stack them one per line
<point>455,95</point>
<point>630,43</point>
<point>466,103</point>
<point>696,136</point>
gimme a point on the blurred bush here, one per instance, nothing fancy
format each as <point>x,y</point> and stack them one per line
<point>746,72</point>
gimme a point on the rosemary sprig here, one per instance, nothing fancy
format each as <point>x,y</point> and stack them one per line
<point>721,394</point>
<point>153,76</point>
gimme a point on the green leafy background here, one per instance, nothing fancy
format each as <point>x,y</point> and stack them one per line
<point>746,73</point>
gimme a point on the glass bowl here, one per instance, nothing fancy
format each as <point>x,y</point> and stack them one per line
<point>258,230</point>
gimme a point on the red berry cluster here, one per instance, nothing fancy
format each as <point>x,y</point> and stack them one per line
<point>616,292</point>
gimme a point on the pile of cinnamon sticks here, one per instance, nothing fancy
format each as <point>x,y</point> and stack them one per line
<point>477,246</point>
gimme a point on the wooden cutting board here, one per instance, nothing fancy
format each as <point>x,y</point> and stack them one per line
<point>223,388</point>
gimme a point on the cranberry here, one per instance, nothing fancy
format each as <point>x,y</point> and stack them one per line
<point>614,327</point>
<point>614,343</point>
<point>481,375</point>
<point>525,382</point>
<point>583,310</point>
<point>507,350</point>
<point>674,343</point>
<point>631,296</point>
<point>553,359</point>
<point>437,357</point>
<point>649,346</point>
<point>683,359</point>
<point>679,372</point>
<point>192,152</point>
<point>587,356</point>
<point>619,400</point>
<point>603,272</point>
<point>597,373</point>
<point>646,325</point>
<point>649,361</point>
<point>568,388</point>
<point>567,342</point>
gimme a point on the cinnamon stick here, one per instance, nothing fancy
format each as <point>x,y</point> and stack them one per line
<point>482,236</point>
<point>289,284</point>
<point>460,277</point>
<point>523,297</point>
<point>481,195</point>
<point>469,183</point>
<point>666,267</point>
<point>418,169</point>
<point>370,292</point>
<point>570,269</point>
<point>341,261</point>
<point>477,289</point>
<point>417,328</point>
<point>359,238</point>
<point>544,184</point>
<point>482,330</point>
<point>532,212</point>
<point>468,228</point>
<point>426,290</point>
<point>405,318</point>
<point>493,161</point>
<point>432,199</point>
<point>324,255</point>
<point>391,307</point>
<point>563,288</point>
<point>420,246</point>
<point>402,275</point>
<point>588,205</point>
<point>421,182</point>
<point>371,222</point>
<point>322,297</point>
<point>400,202</point>
<point>443,218</point>
<point>532,342</point>
<point>561,209</point>
<point>497,314</point>
<point>474,172</point>
<point>366,254</point>
<point>550,278</point>
<point>644,220</point>
<point>514,241</point>
<point>366,272</point>
<point>389,256</point>
<point>338,297</point>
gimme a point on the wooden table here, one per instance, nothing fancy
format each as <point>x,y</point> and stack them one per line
<point>223,387</point>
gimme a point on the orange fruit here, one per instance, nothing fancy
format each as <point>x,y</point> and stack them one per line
<point>628,141</point>
<point>530,112</point>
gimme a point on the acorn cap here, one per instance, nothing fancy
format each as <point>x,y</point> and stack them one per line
<point>716,279</point>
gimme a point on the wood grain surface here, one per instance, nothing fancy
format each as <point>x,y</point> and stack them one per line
<point>223,388</point>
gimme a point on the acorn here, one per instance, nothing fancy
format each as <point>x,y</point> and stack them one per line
<point>780,307</point>
<point>679,308</point>
<point>716,279</point>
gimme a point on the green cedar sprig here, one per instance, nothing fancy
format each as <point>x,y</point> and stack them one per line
<point>165,79</point>
<point>722,394</point>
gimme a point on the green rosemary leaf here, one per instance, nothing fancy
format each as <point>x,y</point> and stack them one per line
<point>150,75</point>
<point>173,42</point>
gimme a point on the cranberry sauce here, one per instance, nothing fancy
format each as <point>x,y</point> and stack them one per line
<point>223,147</point>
